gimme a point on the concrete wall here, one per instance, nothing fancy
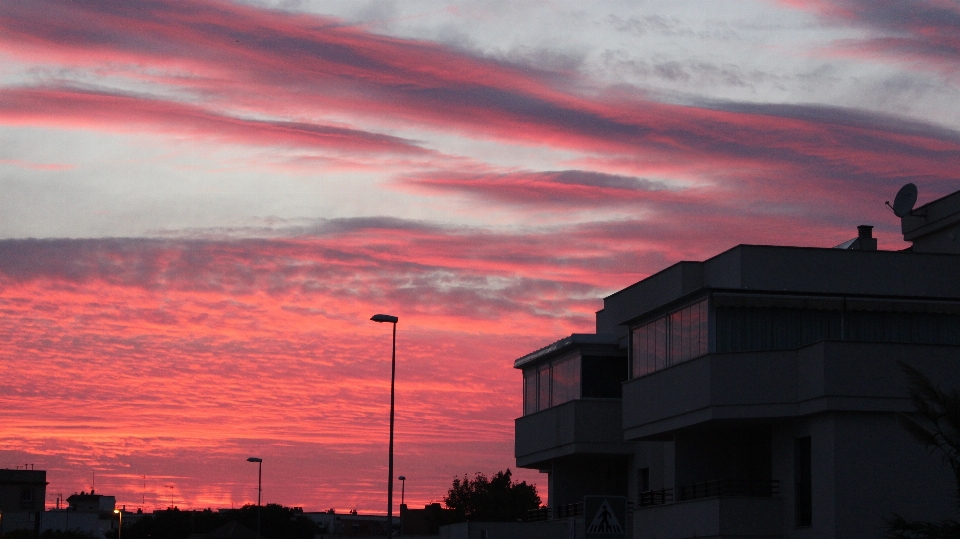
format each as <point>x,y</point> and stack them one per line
<point>758,518</point>
<point>865,468</point>
<point>559,529</point>
<point>73,521</point>
<point>586,426</point>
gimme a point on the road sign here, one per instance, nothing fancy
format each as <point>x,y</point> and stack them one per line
<point>605,517</point>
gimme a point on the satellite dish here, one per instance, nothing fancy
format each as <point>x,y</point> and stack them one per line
<point>906,198</point>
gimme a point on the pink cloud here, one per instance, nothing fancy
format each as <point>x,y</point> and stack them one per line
<point>36,166</point>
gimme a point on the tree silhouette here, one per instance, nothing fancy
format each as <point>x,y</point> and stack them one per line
<point>936,424</point>
<point>498,499</point>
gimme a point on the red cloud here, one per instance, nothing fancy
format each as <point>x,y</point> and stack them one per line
<point>66,107</point>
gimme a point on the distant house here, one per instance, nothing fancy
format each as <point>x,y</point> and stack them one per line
<point>22,497</point>
<point>92,503</point>
<point>426,521</point>
<point>756,393</point>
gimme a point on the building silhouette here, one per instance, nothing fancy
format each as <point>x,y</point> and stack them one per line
<point>22,496</point>
<point>756,393</point>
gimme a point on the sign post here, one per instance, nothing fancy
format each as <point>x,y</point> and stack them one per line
<point>605,517</point>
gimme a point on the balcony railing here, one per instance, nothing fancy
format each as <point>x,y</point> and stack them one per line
<point>537,515</point>
<point>570,510</point>
<point>729,487</point>
<point>656,497</point>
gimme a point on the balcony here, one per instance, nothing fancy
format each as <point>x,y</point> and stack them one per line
<point>584,426</point>
<point>824,376</point>
<point>719,516</point>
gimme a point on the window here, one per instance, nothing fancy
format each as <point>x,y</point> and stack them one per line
<point>672,339</point>
<point>566,380</point>
<point>553,383</point>
<point>26,498</point>
<point>543,394</point>
<point>643,480</point>
<point>803,488</point>
<point>746,329</point>
<point>529,391</point>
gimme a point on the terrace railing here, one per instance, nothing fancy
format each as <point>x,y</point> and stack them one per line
<point>729,487</point>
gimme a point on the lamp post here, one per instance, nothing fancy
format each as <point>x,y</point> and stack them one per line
<point>403,484</point>
<point>120,528</point>
<point>393,377</point>
<point>259,462</point>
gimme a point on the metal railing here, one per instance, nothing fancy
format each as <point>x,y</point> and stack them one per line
<point>537,515</point>
<point>655,497</point>
<point>729,487</point>
<point>570,510</point>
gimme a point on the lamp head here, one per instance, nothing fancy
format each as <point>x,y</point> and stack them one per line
<point>402,478</point>
<point>254,459</point>
<point>117,511</point>
<point>384,318</point>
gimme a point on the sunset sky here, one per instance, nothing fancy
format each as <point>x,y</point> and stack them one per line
<point>202,203</point>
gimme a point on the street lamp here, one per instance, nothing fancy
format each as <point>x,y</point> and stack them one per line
<point>259,462</point>
<point>403,483</point>
<point>119,529</point>
<point>393,377</point>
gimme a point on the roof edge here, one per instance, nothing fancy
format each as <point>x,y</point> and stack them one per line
<point>564,343</point>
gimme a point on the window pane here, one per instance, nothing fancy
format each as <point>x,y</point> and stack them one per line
<point>544,384</point>
<point>566,380</point>
<point>660,344</point>
<point>704,333</point>
<point>676,337</point>
<point>529,391</point>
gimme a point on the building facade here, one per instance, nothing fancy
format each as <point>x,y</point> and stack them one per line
<point>22,497</point>
<point>756,393</point>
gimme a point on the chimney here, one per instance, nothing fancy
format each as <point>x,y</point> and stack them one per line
<point>865,239</point>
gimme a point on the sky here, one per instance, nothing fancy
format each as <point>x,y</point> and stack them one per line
<point>202,203</point>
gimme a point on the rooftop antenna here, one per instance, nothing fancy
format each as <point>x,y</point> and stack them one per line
<point>905,200</point>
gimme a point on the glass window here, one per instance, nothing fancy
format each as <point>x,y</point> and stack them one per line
<point>677,337</point>
<point>529,391</point>
<point>566,380</point>
<point>543,394</point>
<point>704,332</point>
<point>660,343</point>
<point>675,321</point>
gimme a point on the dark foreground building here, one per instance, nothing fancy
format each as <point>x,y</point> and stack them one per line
<point>755,394</point>
<point>22,498</point>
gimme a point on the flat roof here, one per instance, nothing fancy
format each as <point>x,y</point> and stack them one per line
<point>794,270</point>
<point>565,343</point>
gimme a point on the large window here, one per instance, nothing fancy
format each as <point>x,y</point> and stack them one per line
<point>566,380</point>
<point>745,329</point>
<point>551,383</point>
<point>672,339</point>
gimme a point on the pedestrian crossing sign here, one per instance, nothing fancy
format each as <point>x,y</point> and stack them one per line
<point>604,517</point>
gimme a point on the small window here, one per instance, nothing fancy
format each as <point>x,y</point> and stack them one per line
<point>643,480</point>
<point>803,487</point>
<point>26,498</point>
